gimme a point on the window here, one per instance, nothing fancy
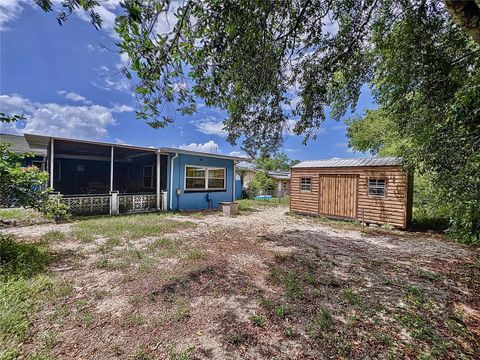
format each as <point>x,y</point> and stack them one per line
<point>376,187</point>
<point>305,184</point>
<point>204,178</point>
<point>149,176</point>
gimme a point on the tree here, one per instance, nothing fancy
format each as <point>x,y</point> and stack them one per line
<point>268,62</point>
<point>274,162</point>
<point>22,185</point>
<point>261,183</point>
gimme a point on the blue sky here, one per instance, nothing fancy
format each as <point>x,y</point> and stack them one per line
<point>66,81</point>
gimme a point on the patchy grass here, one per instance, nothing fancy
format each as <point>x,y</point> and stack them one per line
<point>258,320</point>
<point>53,235</point>
<point>251,204</point>
<point>217,291</point>
<point>195,254</point>
<point>21,216</point>
<point>23,283</point>
<point>127,227</point>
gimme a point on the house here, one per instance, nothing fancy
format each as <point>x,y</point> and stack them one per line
<point>373,190</point>
<point>104,178</point>
<point>282,179</point>
<point>246,172</point>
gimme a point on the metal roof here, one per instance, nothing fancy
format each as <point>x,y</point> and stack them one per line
<point>245,165</point>
<point>359,162</point>
<point>200,153</point>
<point>19,144</point>
<point>280,175</point>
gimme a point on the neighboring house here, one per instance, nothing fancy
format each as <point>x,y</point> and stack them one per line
<point>98,177</point>
<point>246,172</point>
<point>373,190</point>
<point>282,178</point>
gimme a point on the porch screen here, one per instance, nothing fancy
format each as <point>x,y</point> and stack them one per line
<point>204,178</point>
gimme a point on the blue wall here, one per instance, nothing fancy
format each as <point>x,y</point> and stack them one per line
<point>238,189</point>
<point>198,199</point>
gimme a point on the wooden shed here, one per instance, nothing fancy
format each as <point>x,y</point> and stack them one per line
<point>375,190</point>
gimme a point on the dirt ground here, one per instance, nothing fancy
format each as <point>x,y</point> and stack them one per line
<point>261,285</point>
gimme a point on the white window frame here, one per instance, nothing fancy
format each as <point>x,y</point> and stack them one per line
<point>377,187</point>
<point>309,185</point>
<point>152,181</point>
<point>206,169</point>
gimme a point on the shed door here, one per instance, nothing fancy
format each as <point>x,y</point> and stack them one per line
<point>338,195</point>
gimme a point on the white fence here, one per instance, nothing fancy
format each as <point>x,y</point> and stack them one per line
<point>88,205</point>
<point>114,203</point>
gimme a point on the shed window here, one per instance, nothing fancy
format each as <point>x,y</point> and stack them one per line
<point>376,187</point>
<point>305,184</point>
<point>204,178</point>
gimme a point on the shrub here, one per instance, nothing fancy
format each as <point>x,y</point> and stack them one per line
<point>54,208</point>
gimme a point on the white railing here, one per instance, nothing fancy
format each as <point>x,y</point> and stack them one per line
<point>88,205</point>
<point>114,203</point>
<point>137,203</point>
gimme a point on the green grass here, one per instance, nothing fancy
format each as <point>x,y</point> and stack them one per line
<point>322,322</point>
<point>128,227</point>
<point>195,254</point>
<point>22,216</point>
<point>23,283</point>
<point>258,320</point>
<point>54,235</point>
<point>250,204</point>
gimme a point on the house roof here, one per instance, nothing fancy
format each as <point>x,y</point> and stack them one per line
<point>280,175</point>
<point>38,144</point>
<point>20,145</point>
<point>359,162</point>
<point>245,165</point>
<point>198,153</point>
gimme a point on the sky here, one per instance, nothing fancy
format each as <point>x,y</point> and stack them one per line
<point>65,79</point>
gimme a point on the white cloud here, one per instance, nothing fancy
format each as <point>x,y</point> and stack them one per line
<point>85,122</point>
<point>74,97</point>
<point>237,153</point>
<point>209,147</point>
<point>210,126</point>
<point>122,108</point>
<point>9,11</point>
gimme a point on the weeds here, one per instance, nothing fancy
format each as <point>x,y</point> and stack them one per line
<point>351,297</point>
<point>322,322</point>
<point>195,254</point>
<point>258,320</point>
<point>53,235</point>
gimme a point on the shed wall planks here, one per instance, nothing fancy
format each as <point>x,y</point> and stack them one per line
<point>343,192</point>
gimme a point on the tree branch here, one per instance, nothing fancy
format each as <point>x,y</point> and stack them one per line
<point>466,14</point>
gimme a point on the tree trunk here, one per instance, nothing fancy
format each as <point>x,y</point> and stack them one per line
<point>466,14</point>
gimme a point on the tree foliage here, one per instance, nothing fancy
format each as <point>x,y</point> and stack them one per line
<point>274,162</point>
<point>252,58</point>
<point>267,62</point>
<point>261,183</point>
<point>22,185</point>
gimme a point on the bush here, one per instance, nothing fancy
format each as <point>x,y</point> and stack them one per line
<point>261,183</point>
<point>54,208</point>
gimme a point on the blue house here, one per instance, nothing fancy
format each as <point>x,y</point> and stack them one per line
<point>105,178</point>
